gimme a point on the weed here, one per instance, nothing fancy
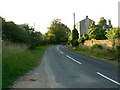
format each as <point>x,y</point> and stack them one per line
<point>17,60</point>
<point>98,51</point>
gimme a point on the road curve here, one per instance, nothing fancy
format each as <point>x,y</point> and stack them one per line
<point>61,68</point>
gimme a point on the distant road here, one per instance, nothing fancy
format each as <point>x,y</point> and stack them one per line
<point>62,68</point>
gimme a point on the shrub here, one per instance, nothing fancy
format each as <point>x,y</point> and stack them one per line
<point>97,46</point>
<point>117,54</point>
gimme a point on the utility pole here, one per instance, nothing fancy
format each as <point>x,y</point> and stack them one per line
<point>119,14</point>
<point>74,19</point>
<point>34,25</point>
<point>0,27</point>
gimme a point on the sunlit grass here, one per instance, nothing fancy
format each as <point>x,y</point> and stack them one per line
<point>17,60</point>
<point>105,53</point>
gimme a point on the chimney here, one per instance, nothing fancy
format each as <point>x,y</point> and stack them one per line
<point>109,23</point>
<point>86,16</point>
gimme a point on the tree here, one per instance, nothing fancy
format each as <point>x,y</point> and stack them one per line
<point>102,21</point>
<point>82,38</point>
<point>91,30</point>
<point>98,31</point>
<point>70,39</point>
<point>21,34</point>
<point>113,33</point>
<point>58,32</point>
<point>75,36</point>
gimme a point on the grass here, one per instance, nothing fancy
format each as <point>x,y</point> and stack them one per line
<point>17,60</point>
<point>101,53</point>
<point>105,53</point>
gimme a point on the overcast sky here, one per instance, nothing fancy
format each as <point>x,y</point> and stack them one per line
<point>42,12</point>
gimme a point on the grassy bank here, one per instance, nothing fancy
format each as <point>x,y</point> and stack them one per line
<point>104,53</point>
<point>17,60</point>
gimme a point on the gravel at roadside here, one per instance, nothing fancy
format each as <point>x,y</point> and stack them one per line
<point>37,78</point>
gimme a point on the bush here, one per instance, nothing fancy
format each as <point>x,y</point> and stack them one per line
<point>97,46</point>
<point>117,54</point>
<point>22,34</point>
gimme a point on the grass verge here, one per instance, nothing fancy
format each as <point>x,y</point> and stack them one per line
<point>107,55</point>
<point>17,60</point>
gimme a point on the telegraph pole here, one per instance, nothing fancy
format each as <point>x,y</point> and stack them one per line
<point>34,25</point>
<point>74,19</point>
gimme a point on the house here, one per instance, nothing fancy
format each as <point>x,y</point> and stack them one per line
<point>83,26</point>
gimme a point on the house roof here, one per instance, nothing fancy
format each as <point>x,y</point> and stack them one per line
<point>85,19</point>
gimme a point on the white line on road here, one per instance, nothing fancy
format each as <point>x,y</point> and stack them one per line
<point>73,59</point>
<point>61,52</point>
<point>58,48</point>
<point>108,78</point>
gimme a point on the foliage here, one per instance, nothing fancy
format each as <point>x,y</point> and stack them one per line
<point>57,32</point>
<point>21,34</point>
<point>17,60</point>
<point>91,30</point>
<point>98,31</point>
<point>102,21</point>
<point>73,38</point>
<point>97,46</point>
<point>108,54</point>
<point>70,39</point>
<point>112,34</point>
<point>117,53</point>
<point>83,38</point>
<point>75,34</point>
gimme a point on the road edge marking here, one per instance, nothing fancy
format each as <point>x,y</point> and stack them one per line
<point>61,52</point>
<point>58,48</point>
<point>108,78</point>
<point>73,59</point>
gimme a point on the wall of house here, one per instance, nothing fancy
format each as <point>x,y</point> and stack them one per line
<point>84,25</point>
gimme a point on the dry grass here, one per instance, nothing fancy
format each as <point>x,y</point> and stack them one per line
<point>106,53</point>
<point>17,60</point>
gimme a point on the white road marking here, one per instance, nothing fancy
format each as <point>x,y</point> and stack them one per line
<point>73,59</point>
<point>108,78</point>
<point>58,48</point>
<point>61,52</point>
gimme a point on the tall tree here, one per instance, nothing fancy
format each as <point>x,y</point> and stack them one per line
<point>58,32</point>
<point>74,37</point>
<point>91,30</point>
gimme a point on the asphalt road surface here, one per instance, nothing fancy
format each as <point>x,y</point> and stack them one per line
<point>61,68</point>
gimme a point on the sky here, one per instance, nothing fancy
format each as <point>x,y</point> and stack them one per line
<point>40,13</point>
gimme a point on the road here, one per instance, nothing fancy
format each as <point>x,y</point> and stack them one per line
<point>61,68</point>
